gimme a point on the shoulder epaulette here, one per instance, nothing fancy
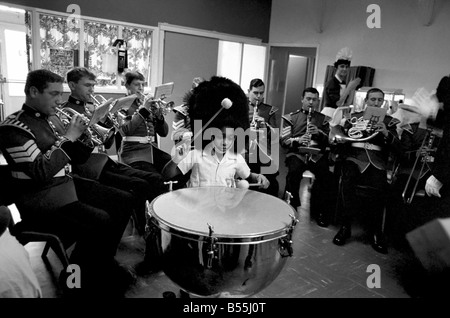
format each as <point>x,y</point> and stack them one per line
<point>273,110</point>
<point>288,118</point>
<point>12,121</point>
<point>182,109</point>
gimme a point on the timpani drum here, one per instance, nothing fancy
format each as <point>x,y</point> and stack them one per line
<point>222,242</point>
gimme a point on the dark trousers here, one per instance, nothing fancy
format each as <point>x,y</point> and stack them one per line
<point>322,191</point>
<point>402,218</point>
<point>151,168</point>
<point>143,185</point>
<point>95,223</point>
<point>274,186</point>
<point>365,192</point>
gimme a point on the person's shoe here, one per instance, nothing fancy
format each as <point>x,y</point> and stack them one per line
<point>322,221</point>
<point>379,244</point>
<point>341,236</point>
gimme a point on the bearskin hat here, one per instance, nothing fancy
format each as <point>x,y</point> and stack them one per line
<point>207,99</point>
<point>344,56</point>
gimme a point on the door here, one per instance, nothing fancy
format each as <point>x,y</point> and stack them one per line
<point>291,69</point>
<point>13,67</point>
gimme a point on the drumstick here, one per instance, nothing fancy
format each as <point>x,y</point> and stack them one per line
<point>226,103</point>
<point>254,184</point>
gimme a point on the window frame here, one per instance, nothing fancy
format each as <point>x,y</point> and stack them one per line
<point>36,61</point>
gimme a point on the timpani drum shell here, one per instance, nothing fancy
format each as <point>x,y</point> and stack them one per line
<point>240,258</point>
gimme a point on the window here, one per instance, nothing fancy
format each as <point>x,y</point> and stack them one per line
<point>241,62</point>
<point>89,43</point>
<point>59,42</point>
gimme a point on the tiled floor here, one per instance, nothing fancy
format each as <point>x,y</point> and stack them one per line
<point>317,269</point>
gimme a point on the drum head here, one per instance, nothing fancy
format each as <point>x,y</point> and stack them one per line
<point>232,212</point>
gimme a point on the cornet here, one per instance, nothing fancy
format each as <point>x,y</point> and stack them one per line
<point>159,103</point>
<point>97,133</point>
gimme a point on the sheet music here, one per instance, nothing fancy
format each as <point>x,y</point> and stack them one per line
<point>163,91</point>
<point>123,103</point>
<point>100,112</point>
<point>375,114</point>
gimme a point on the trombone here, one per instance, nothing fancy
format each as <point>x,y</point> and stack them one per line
<point>423,154</point>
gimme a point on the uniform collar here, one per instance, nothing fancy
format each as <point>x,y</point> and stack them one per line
<point>76,101</point>
<point>33,112</point>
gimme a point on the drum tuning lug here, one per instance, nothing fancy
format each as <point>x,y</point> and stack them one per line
<point>170,183</point>
<point>286,247</point>
<point>288,197</point>
<point>212,247</point>
<point>286,242</point>
<point>294,221</point>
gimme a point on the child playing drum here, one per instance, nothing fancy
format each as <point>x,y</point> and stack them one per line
<point>218,163</point>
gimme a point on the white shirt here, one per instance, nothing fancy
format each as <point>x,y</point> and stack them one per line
<point>17,279</point>
<point>208,170</point>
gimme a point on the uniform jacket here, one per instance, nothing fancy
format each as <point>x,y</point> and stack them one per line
<point>38,157</point>
<point>140,122</point>
<point>294,125</point>
<point>93,167</point>
<point>269,113</point>
<point>379,159</point>
<point>181,122</point>
<point>332,92</point>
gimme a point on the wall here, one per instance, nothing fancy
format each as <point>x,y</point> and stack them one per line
<point>405,53</point>
<point>249,18</point>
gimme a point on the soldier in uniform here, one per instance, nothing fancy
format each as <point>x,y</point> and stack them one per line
<point>365,165</point>
<point>262,118</point>
<point>39,152</point>
<point>181,122</point>
<point>144,185</point>
<point>307,127</point>
<point>143,121</point>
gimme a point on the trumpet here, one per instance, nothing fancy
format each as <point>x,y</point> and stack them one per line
<point>424,155</point>
<point>159,103</point>
<point>98,134</point>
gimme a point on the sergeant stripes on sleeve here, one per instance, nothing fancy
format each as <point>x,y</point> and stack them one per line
<point>286,131</point>
<point>178,124</point>
<point>26,153</point>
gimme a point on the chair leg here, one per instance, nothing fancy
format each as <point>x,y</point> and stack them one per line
<point>46,249</point>
<point>59,250</point>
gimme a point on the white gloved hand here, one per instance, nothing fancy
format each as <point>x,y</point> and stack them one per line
<point>433,186</point>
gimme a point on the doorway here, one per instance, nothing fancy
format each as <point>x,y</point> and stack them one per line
<point>291,70</point>
<point>13,60</point>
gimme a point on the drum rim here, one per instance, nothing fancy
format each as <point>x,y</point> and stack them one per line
<point>221,238</point>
